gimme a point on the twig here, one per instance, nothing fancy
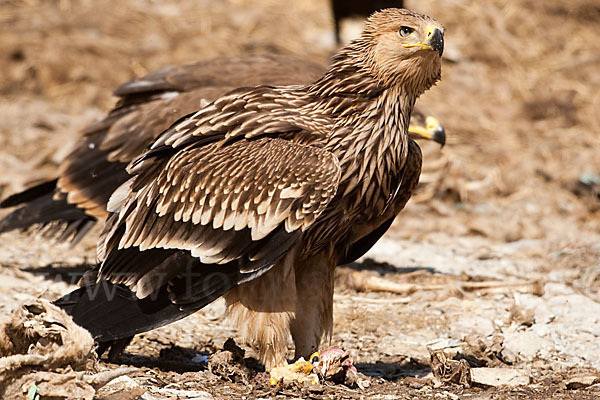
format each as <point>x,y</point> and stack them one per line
<point>100,379</point>
<point>358,299</point>
<point>364,282</point>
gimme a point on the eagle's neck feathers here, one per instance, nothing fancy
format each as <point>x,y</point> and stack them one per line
<point>370,131</point>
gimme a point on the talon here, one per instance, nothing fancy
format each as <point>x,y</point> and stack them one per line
<point>314,357</point>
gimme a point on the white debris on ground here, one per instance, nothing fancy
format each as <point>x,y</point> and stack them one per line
<point>565,324</point>
<point>500,376</point>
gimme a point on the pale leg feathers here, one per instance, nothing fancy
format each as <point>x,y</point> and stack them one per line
<point>295,297</point>
<point>262,310</point>
<point>314,304</point>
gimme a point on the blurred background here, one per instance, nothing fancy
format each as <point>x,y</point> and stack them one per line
<point>515,193</point>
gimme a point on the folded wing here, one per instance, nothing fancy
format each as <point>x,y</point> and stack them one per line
<point>224,198</point>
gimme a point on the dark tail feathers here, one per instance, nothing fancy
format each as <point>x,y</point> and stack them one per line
<point>29,194</point>
<point>112,312</point>
<point>47,210</point>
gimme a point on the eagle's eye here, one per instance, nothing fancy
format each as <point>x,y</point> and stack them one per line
<point>405,31</point>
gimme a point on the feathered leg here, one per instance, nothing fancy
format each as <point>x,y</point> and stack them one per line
<point>262,310</point>
<point>314,304</point>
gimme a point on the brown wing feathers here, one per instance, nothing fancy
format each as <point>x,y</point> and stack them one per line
<point>273,186</point>
<point>234,72</point>
<point>219,202</point>
<point>225,199</point>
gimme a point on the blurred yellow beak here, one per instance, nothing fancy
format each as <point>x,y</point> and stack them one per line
<point>432,130</point>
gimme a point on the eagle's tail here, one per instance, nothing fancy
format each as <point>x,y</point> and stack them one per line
<point>44,209</point>
<point>111,312</point>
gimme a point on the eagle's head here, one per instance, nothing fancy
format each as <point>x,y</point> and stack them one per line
<point>403,48</point>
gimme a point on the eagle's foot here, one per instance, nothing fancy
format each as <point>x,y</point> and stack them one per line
<point>299,372</point>
<point>333,365</point>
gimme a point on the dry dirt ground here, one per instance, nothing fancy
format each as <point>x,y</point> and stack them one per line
<point>497,258</point>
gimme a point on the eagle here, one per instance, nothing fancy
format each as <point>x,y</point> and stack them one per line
<point>67,207</point>
<point>260,194</point>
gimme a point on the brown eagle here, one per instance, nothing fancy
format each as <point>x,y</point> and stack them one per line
<point>259,195</point>
<point>68,207</point>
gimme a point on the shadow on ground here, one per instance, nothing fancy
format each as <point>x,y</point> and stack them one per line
<point>59,272</point>
<point>392,371</point>
<point>369,264</point>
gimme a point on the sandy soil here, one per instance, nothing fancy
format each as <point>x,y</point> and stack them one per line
<point>513,198</point>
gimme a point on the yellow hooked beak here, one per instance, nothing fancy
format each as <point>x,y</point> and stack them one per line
<point>434,40</point>
<point>432,130</point>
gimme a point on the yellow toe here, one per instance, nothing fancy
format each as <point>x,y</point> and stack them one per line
<point>300,371</point>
